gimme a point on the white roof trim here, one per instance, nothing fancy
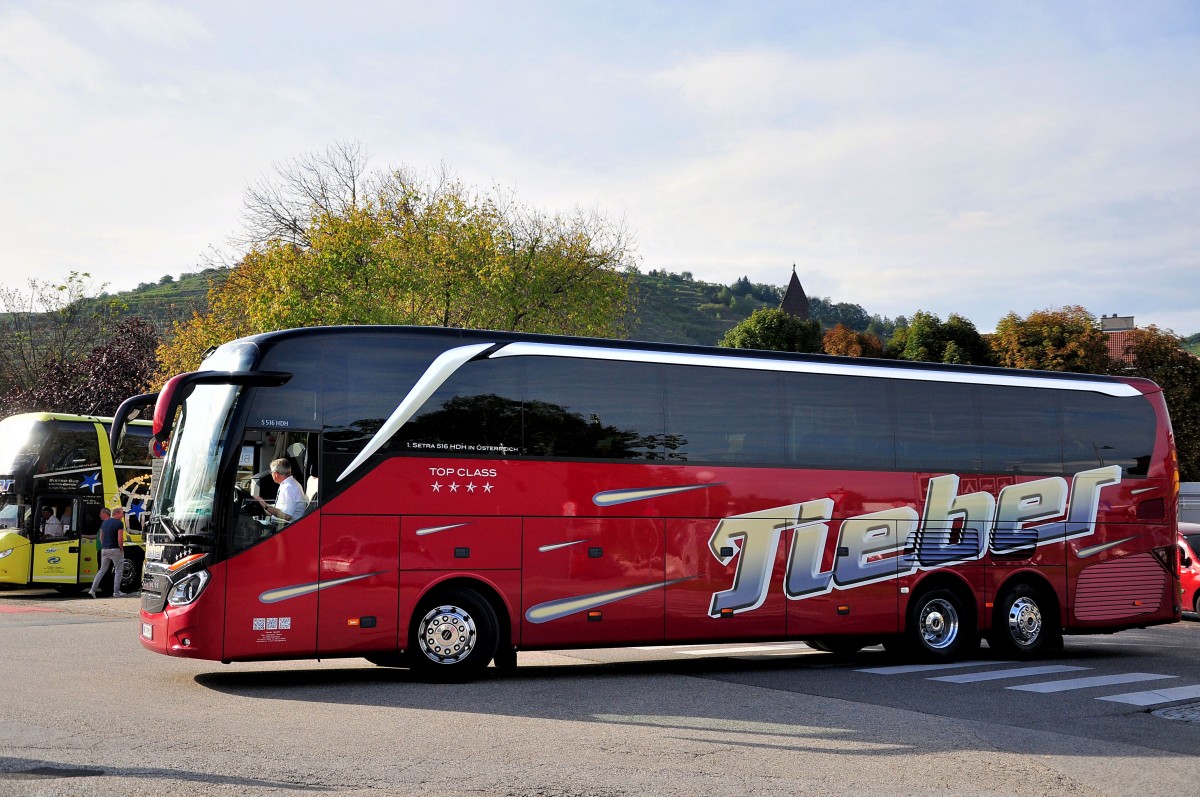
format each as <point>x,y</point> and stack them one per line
<point>529,349</point>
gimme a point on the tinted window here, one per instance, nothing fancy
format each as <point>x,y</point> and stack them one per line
<point>134,448</point>
<point>476,412</point>
<point>725,415</point>
<point>74,445</point>
<point>838,422</point>
<point>591,409</point>
<point>937,427</point>
<point>366,377</point>
<point>1101,430</point>
<point>296,404</point>
<point>1022,430</point>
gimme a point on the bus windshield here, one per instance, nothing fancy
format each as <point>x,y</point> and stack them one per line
<point>10,513</point>
<point>186,495</point>
<point>188,489</point>
<point>20,439</point>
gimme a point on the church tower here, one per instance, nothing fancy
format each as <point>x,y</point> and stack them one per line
<point>794,301</point>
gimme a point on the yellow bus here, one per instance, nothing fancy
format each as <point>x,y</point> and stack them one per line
<point>56,473</point>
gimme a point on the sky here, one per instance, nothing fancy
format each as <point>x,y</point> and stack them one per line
<point>976,158</point>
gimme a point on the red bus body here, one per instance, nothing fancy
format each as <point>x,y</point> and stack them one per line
<point>586,553</point>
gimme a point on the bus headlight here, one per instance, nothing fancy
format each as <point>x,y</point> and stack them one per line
<point>188,589</point>
<point>6,553</point>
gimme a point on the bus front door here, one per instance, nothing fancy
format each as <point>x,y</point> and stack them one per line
<point>56,547</point>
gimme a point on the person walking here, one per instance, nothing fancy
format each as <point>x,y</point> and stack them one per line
<point>112,540</point>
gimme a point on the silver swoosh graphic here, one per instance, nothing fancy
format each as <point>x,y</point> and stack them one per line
<point>614,497</point>
<point>557,545</point>
<point>286,593</point>
<point>441,369</point>
<point>1084,553</point>
<point>436,529</point>
<point>563,607</point>
<point>1143,490</point>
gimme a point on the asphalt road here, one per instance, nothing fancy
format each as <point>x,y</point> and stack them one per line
<point>85,710</point>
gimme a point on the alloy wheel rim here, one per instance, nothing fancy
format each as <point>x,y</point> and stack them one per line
<point>939,624</point>
<point>1024,621</point>
<point>447,634</point>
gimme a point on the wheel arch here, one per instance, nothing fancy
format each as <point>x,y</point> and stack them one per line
<point>946,579</point>
<point>486,589</point>
<point>1036,581</point>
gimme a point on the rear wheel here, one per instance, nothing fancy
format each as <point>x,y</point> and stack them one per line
<point>938,626</point>
<point>453,635</point>
<point>1026,622</point>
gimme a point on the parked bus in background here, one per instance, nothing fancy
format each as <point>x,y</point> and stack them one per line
<point>474,493</point>
<point>56,474</point>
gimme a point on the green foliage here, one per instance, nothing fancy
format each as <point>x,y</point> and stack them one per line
<point>774,330</point>
<point>1158,355</point>
<point>1056,339</point>
<point>1192,344</point>
<point>927,339</point>
<point>424,253</point>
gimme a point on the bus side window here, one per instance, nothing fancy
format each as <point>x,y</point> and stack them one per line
<point>89,521</point>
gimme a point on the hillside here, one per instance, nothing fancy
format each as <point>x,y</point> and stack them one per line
<point>668,307</point>
<point>169,299</point>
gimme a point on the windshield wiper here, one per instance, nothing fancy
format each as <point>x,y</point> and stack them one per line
<point>160,522</point>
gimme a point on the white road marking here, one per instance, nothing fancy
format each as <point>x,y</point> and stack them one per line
<point>901,669</point>
<point>1155,696</point>
<point>1017,672</point>
<point>1091,681</point>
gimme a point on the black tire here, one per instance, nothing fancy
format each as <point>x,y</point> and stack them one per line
<point>453,635</point>
<point>817,644</point>
<point>1025,623</point>
<point>939,627</point>
<point>131,573</point>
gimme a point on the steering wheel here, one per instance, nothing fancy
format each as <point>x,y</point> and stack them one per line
<point>247,503</point>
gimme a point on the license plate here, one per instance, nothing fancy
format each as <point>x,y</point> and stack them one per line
<point>154,552</point>
<point>147,631</point>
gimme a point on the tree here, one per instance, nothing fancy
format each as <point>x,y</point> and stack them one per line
<point>1158,355</point>
<point>775,330</point>
<point>395,249</point>
<point>49,323</point>
<point>1055,339</point>
<point>926,338</point>
<point>118,368</point>
<point>844,341</point>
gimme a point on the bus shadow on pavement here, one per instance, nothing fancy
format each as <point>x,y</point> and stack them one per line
<point>25,769</point>
<point>684,697</point>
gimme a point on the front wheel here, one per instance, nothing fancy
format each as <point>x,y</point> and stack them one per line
<point>938,626</point>
<point>131,574</point>
<point>1026,622</point>
<point>453,635</point>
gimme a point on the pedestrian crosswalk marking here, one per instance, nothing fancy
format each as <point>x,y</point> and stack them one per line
<point>903,669</point>
<point>1156,696</point>
<point>1091,681</point>
<point>1017,672</point>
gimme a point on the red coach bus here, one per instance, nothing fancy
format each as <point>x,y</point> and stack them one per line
<point>472,494</point>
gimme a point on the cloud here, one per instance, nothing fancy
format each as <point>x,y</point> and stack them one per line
<point>151,23</point>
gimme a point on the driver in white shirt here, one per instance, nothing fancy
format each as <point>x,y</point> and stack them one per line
<point>51,525</point>
<point>289,501</point>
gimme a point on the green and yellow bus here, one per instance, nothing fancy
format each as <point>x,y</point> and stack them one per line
<point>56,473</point>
